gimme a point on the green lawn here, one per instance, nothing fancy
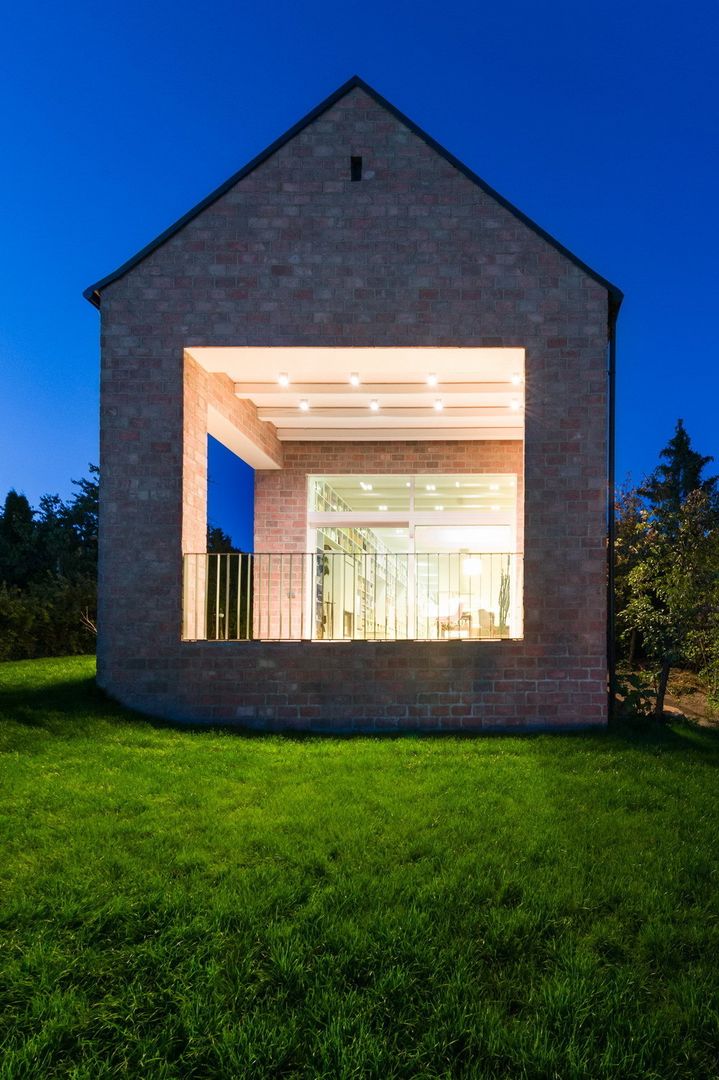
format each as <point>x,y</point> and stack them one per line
<point>204,904</point>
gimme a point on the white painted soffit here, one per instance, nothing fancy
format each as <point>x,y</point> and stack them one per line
<point>418,393</point>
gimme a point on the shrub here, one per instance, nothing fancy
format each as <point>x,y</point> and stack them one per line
<point>46,618</point>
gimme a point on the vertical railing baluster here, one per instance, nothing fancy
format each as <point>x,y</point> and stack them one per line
<point>226,561</point>
<point>217,597</point>
<point>197,598</point>
<point>248,572</point>
<point>384,623</point>
<point>280,599</point>
<point>269,596</point>
<point>375,612</point>
<point>237,605</point>
<point>290,592</point>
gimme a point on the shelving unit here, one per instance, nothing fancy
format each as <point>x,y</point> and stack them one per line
<point>370,563</point>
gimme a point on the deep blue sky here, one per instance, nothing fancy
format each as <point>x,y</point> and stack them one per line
<point>599,120</point>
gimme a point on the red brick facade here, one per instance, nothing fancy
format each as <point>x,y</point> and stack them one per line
<point>296,254</point>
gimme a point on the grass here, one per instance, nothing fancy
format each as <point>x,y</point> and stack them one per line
<point>192,904</point>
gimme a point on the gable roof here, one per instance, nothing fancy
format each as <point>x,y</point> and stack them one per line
<point>92,293</point>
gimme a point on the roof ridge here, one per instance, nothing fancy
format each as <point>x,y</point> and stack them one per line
<point>92,293</point>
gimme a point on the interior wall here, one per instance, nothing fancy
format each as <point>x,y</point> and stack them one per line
<point>281,496</point>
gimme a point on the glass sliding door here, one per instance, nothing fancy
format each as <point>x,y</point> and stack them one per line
<point>362,587</point>
<point>421,556</point>
<point>461,581</point>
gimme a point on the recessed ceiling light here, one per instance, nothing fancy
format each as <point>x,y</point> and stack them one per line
<point>514,404</point>
<point>431,379</point>
<point>304,404</point>
<point>456,483</point>
<point>408,484</point>
<point>438,404</point>
<point>374,405</point>
<point>495,507</point>
<point>439,508</point>
<point>494,487</point>
<point>430,487</point>
<point>283,379</point>
<point>365,486</point>
<point>381,506</point>
<point>516,379</point>
<point>354,379</point>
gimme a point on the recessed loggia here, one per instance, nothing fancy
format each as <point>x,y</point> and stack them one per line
<point>389,394</point>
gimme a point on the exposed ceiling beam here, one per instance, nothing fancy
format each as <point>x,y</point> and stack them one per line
<point>394,434</point>
<point>314,415</point>
<point>251,389</point>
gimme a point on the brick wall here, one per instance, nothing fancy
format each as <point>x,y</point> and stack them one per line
<point>281,496</point>
<point>296,254</point>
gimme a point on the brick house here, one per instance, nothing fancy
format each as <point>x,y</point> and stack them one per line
<point>422,379</point>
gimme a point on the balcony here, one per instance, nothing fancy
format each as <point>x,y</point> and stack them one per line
<point>338,596</point>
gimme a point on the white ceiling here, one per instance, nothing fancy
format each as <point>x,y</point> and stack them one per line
<point>481,391</point>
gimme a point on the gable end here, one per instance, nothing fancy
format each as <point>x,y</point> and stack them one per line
<point>92,293</point>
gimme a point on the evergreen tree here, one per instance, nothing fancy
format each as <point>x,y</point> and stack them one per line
<point>669,486</point>
<point>18,534</point>
<point>218,541</point>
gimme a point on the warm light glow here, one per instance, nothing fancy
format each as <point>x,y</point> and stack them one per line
<point>439,508</point>
<point>374,405</point>
<point>514,404</point>
<point>381,506</point>
<point>516,379</point>
<point>365,486</point>
<point>472,567</point>
<point>304,404</point>
<point>439,404</point>
<point>431,379</point>
<point>354,379</point>
<point>494,487</point>
<point>283,379</point>
<point>430,487</point>
<point>495,507</point>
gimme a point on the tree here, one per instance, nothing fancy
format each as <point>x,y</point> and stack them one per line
<point>673,586</point>
<point>668,559</point>
<point>48,571</point>
<point>18,535</point>
<point>671,483</point>
<point>218,541</point>
<point>632,522</point>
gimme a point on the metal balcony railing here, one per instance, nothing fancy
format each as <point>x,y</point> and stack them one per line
<point>339,596</point>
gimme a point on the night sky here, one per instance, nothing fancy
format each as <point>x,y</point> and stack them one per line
<point>598,120</point>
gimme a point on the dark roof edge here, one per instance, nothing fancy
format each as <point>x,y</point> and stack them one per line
<point>92,293</point>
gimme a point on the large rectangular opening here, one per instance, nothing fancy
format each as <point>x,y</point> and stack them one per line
<point>346,546</point>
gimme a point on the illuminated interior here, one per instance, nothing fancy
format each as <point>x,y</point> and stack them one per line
<point>387,556</point>
<point>419,556</point>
